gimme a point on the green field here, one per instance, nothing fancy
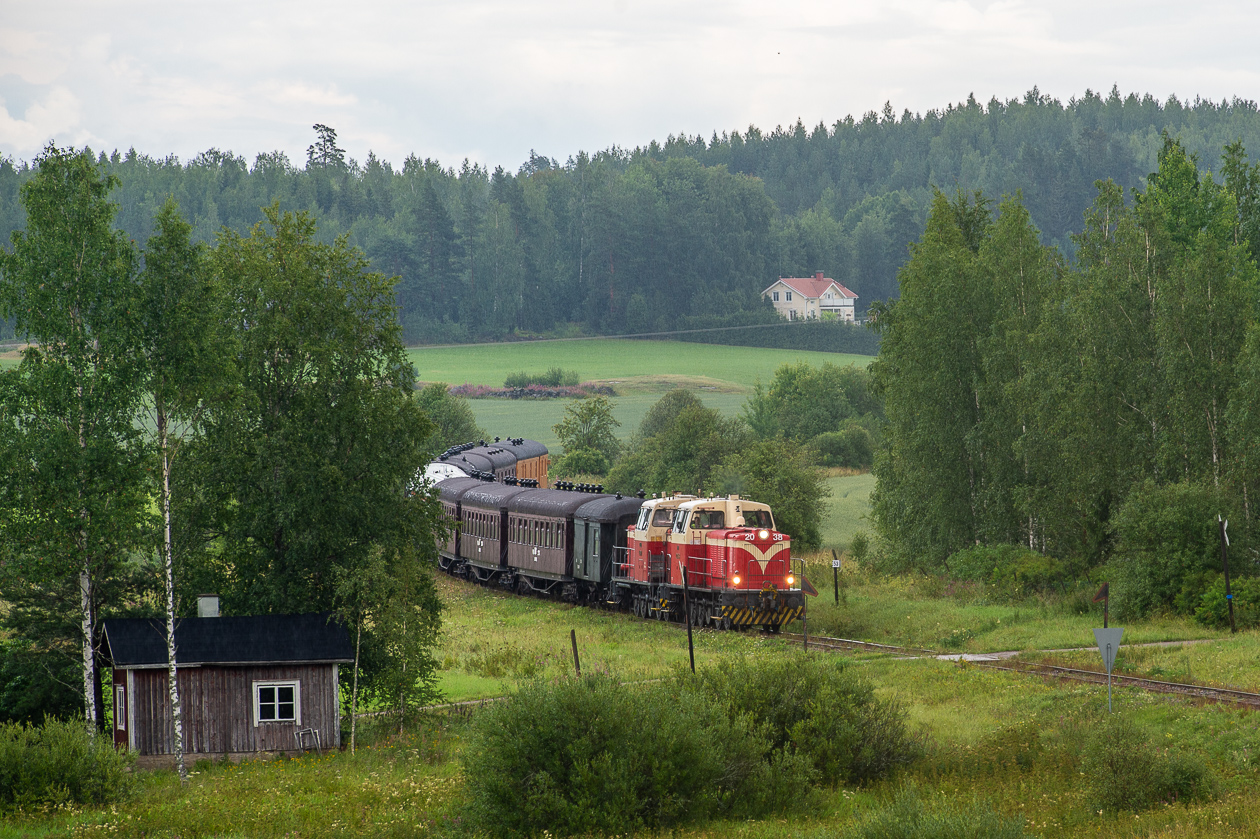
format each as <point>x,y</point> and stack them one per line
<point>610,360</point>
<point>640,372</point>
<point>533,418</point>
<point>846,509</point>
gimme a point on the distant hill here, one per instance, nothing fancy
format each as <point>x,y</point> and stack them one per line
<point>682,232</point>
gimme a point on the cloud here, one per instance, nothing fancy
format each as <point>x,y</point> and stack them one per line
<point>491,79</point>
<point>56,116</point>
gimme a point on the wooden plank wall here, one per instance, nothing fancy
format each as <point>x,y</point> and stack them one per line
<point>218,705</point>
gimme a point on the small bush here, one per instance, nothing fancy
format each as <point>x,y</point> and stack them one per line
<point>591,756</point>
<point>906,817</point>
<point>554,377</point>
<point>822,709</point>
<point>1014,569</point>
<point>1126,772</point>
<point>851,446</point>
<point>57,763</point>
<point>1213,608</point>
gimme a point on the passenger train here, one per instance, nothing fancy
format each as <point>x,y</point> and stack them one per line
<point>717,561</point>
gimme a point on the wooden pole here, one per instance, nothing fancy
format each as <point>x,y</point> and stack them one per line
<point>804,611</point>
<point>691,650</point>
<point>577,665</point>
<point>1229,595</point>
<point>835,574</point>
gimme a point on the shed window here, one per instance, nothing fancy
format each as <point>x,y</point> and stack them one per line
<point>277,702</point>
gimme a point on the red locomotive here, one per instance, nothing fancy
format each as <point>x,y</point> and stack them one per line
<point>738,568</point>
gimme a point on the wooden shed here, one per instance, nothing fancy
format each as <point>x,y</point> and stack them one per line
<point>247,685</point>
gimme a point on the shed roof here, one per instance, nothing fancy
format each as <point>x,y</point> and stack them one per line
<point>251,639</point>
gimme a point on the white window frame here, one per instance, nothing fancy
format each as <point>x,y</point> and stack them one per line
<point>776,296</point>
<point>278,683</point>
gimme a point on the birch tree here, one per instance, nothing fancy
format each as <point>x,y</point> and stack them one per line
<point>186,361</point>
<point>76,499</point>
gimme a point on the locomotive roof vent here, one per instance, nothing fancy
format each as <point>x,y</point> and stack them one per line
<point>619,496</point>
<point>599,487</point>
<point>641,494</point>
<point>496,439</point>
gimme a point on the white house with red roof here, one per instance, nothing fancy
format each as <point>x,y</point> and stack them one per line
<point>799,298</point>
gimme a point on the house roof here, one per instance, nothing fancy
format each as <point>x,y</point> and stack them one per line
<point>813,287</point>
<point>253,639</point>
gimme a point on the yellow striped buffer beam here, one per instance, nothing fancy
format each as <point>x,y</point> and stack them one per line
<point>741,616</point>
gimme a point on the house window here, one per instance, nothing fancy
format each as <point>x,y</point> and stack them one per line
<point>789,297</point>
<point>776,296</point>
<point>278,702</point>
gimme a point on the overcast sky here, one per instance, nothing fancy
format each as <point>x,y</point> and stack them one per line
<point>492,79</point>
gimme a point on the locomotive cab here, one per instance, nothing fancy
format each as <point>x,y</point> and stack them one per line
<point>730,546</point>
<point>646,541</point>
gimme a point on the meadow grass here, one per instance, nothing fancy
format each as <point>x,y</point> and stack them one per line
<point>928,612</point>
<point>491,640</point>
<point>846,508</point>
<point>533,418</point>
<point>1010,742</point>
<point>611,359</point>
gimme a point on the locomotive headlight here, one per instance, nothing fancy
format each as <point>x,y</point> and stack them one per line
<point>791,579</point>
<point>763,534</point>
<point>735,579</point>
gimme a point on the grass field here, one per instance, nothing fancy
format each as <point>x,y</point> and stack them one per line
<point>534,418</point>
<point>612,360</point>
<point>1007,742</point>
<point>847,508</point>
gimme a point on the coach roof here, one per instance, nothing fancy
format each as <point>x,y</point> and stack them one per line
<point>609,508</point>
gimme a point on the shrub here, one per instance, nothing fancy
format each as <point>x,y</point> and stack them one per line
<point>554,377</point>
<point>58,763</point>
<point>589,756</point>
<point>826,712</point>
<point>851,446</point>
<point>906,817</point>
<point>1213,608</point>
<point>1126,772</point>
<point>1013,568</point>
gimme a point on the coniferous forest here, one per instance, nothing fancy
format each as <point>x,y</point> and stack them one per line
<point>598,243</point>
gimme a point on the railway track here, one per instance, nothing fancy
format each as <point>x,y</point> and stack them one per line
<point>1205,693</point>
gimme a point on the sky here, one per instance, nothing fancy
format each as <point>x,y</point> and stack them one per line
<point>491,80</point>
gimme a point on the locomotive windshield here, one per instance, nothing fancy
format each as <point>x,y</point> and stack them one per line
<point>708,519</point>
<point>663,517</point>
<point>758,518</point>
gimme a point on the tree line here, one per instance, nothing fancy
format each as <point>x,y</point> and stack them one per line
<point>1102,414</point>
<point>236,418</point>
<point>680,233</point>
